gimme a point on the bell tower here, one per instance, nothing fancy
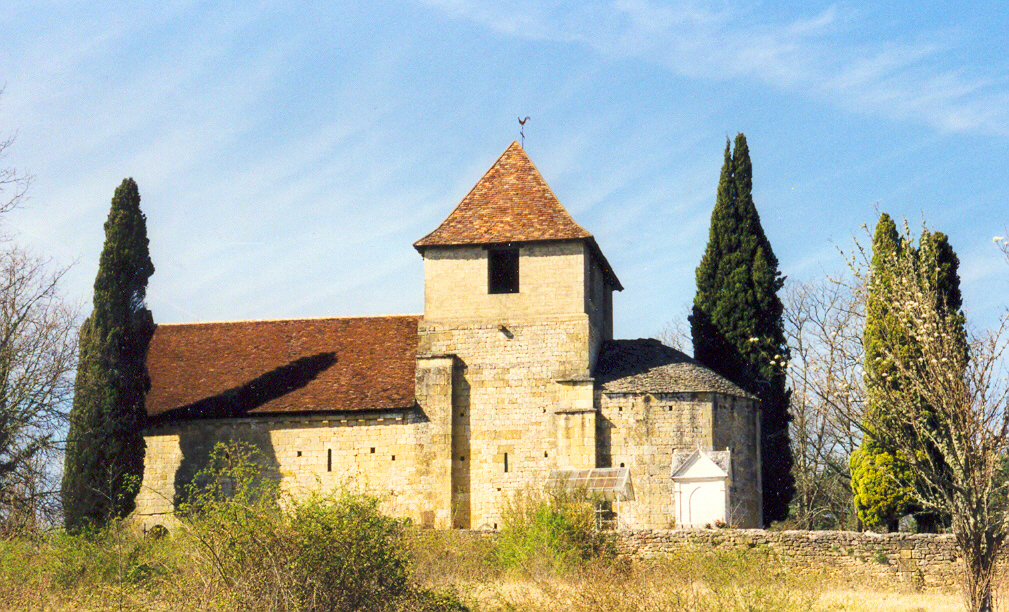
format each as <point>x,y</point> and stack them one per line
<point>520,297</point>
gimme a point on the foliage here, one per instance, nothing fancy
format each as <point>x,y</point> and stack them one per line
<point>105,445</point>
<point>550,531</point>
<point>329,552</point>
<point>880,482</point>
<point>956,446</point>
<point>935,260</point>
<point>736,322</point>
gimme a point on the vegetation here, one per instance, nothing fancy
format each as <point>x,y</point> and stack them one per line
<point>334,552</point>
<point>883,480</point>
<point>37,340</point>
<point>105,446</point>
<point>945,410</point>
<point>551,531</point>
<point>824,320</point>
<point>736,322</point>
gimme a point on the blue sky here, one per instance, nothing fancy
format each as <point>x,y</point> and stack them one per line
<point>288,156</point>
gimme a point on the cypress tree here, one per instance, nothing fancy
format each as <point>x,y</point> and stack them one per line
<point>736,322</point>
<point>105,444</point>
<point>878,477</point>
<point>881,482</point>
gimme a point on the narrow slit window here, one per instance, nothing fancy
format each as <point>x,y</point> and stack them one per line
<point>329,460</point>
<point>503,271</point>
<point>506,462</point>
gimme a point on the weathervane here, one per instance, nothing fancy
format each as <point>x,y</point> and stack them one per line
<point>522,133</point>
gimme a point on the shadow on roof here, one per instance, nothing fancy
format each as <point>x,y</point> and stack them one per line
<point>240,401</point>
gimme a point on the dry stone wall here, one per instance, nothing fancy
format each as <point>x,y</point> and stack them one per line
<point>929,561</point>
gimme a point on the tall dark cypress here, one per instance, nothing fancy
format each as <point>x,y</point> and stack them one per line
<point>736,322</point>
<point>105,444</point>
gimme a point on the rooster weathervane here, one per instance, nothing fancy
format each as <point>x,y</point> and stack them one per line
<point>522,133</point>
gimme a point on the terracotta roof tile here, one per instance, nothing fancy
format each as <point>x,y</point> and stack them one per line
<point>215,370</point>
<point>648,366</point>
<point>511,203</point>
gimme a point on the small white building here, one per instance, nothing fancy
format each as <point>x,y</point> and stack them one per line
<point>701,483</point>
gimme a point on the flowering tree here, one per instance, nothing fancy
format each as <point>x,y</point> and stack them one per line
<point>956,449</point>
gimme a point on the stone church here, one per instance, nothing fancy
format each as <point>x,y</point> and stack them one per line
<point>510,378</point>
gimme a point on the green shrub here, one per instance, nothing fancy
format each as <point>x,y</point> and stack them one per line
<point>347,554</point>
<point>334,552</point>
<point>553,531</point>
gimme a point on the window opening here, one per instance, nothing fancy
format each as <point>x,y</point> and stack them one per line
<point>503,271</point>
<point>506,462</point>
<point>299,453</point>
<point>329,460</point>
<point>372,450</point>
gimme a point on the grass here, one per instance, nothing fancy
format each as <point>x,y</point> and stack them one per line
<point>238,545</point>
<point>121,570</point>
<point>693,581</point>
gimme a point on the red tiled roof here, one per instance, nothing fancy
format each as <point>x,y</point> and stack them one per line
<point>214,370</point>
<point>511,203</point>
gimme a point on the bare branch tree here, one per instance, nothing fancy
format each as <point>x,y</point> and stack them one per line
<point>823,326</point>
<point>967,421</point>
<point>13,182</point>
<point>676,333</point>
<point>38,339</point>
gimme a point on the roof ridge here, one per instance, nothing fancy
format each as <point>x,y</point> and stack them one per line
<point>323,318</point>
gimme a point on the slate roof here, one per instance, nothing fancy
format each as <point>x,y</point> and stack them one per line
<point>232,369</point>
<point>512,203</point>
<point>648,366</point>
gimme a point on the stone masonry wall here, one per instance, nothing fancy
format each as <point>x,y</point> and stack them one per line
<point>551,281</point>
<point>522,406</point>
<point>390,454</point>
<point>927,561</point>
<point>640,431</point>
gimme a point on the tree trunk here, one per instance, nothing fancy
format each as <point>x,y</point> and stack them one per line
<point>980,556</point>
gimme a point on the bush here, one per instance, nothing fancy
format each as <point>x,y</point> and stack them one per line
<point>554,531</point>
<point>347,555</point>
<point>334,552</point>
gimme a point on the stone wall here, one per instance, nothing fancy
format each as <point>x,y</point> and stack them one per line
<point>551,281</point>
<point>892,559</point>
<point>522,406</point>
<point>396,455</point>
<point>641,431</point>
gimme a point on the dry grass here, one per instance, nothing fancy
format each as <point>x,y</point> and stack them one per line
<point>61,573</point>
<point>883,601</point>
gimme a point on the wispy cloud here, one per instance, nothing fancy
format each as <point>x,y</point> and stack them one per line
<point>815,56</point>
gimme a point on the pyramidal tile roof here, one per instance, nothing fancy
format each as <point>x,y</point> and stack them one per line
<point>511,203</point>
